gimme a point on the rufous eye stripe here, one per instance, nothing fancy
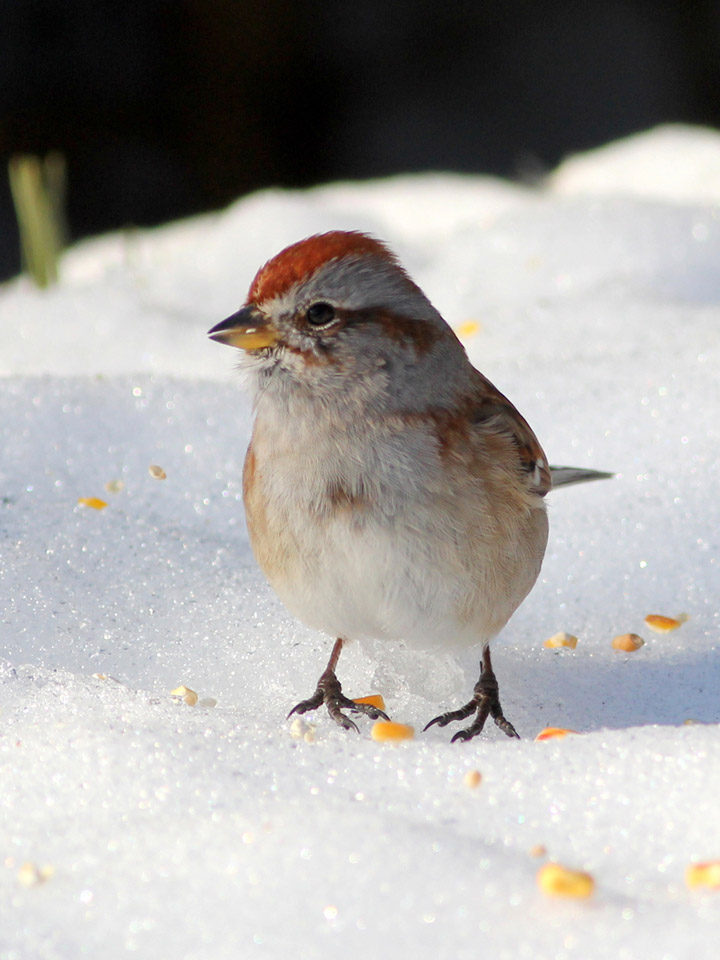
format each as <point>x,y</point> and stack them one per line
<point>421,334</point>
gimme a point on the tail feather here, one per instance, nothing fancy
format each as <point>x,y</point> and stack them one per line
<point>564,476</point>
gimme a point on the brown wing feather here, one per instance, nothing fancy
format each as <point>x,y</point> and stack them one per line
<point>495,412</point>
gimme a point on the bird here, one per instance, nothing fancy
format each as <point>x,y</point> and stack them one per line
<point>391,491</point>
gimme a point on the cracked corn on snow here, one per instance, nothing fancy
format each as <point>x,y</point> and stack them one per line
<point>561,639</point>
<point>95,503</point>
<point>550,733</point>
<point>705,874</point>
<point>627,642</point>
<point>30,875</point>
<point>373,700</point>
<point>661,624</point>
<point>558,881</point>
<point>184,694</point>
<point>386,730</point>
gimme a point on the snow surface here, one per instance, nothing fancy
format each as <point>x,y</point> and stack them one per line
<point>198,832</point>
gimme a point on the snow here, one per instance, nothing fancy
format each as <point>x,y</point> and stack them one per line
<point>168,830</point>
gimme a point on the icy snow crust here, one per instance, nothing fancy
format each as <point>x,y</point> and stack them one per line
<point>198,832</point>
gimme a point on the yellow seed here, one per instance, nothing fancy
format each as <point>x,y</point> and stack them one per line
<point>705,874</point>
<point>558,881</point>
<point>468,328</point>
<point>30,875</point>
<point>472,779</point>
<point>94,502</point>
<point>539,850</point>
<point>114,486</point>
<point>549,733</point>
<point>185,694</point>
<point>300,730</point>
<point>662,624</point>
<point>157,472</point>
<point>373,700</point>
<point>562,640</point>
<point>105,676</point>
<point>387,730</point>
<point>628,642</point>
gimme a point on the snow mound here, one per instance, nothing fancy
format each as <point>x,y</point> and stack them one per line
<point>137,824</point>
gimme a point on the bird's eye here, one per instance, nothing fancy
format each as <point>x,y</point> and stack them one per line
<point>320,314</point>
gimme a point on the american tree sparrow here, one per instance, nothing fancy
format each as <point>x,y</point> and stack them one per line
<point>391,490</point>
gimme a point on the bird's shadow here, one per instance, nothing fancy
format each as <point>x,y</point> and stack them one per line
<point>629,690</point>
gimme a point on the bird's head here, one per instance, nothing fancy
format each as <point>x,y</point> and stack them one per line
<point>338,308</point>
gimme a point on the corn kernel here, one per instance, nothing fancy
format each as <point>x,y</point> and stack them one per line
<point>705,874</point>
<point>94,502</point>
<point>373,700</point>
<point>558,881</point>
<point>628,642</point>
<point>30,875</point>
<point>550,733</point>
<point>302,730</point>
<point>662,624</point>
<point>185,694</point>
<point>562,640</point>
<point>468,328</point>
<point>387,730</point>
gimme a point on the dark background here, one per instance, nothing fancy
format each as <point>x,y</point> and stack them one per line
<point>168,107</point>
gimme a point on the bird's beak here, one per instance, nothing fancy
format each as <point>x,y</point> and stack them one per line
<point>247,329</point>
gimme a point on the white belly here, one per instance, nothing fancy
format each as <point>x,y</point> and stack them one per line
<point>403,551</point>
<point>406,579</point>
<point>371,585</point>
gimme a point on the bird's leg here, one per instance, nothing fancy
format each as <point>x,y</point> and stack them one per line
<point>485,702</point>
<point>329,692</point>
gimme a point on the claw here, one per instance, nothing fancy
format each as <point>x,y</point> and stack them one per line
<point>452,715</point>
<point>485,703</point>
<point>339,717</point>
<point>375,713</point>
<point>507,728</point>
<point>461,736</point>
<point>329,692</point>
<point>312,703</point>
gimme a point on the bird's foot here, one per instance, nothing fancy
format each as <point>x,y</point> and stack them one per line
<point>485,702</point>
<point>329,692</point>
